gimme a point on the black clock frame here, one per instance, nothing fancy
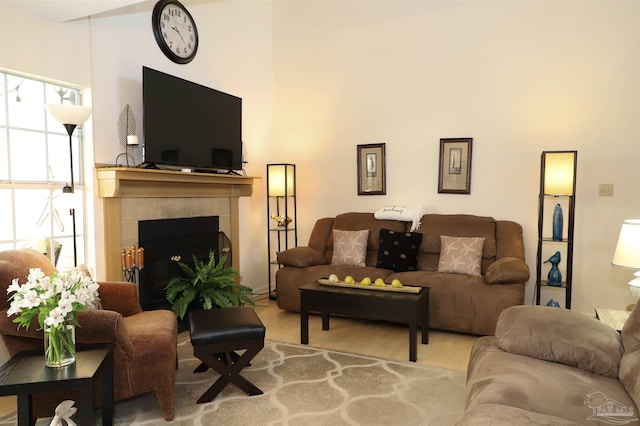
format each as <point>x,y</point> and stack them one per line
<point>157,31</point>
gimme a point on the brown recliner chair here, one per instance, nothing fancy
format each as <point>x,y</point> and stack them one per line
<point>144,342</point>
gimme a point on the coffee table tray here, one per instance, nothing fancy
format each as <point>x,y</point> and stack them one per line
<point>387,287</point>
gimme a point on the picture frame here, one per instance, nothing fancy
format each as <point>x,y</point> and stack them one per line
<point>454,176</point>
<point>371,169</point>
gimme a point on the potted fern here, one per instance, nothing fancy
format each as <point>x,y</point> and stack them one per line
<point>209,284</point>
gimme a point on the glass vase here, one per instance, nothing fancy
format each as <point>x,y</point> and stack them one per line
<point>557,223</point>
<point>60,345</point>
<point>555,276</point>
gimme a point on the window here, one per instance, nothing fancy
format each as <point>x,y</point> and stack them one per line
<point>35,166</point>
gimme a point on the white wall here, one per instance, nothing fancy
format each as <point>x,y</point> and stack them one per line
<point>317,78</point>
<point>518,77</point>
<point>107,53</point>
<point>234,56</point>
<point>34,45</point>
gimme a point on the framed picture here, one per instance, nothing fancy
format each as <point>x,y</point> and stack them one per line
<point>455,166</point>
<point>371,173</point>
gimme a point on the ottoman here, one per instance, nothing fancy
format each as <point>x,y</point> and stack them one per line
<point>216,334</point>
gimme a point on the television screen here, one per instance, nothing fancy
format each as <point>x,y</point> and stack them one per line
<point>188,125</point>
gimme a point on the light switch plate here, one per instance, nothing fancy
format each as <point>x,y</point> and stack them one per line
<point>605,190</point>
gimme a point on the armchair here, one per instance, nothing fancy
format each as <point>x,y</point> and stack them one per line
<point>144,342</point>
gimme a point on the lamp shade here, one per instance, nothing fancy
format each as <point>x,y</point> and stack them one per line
<point>281,180</point>
<point>559,169</point>
<point>627,252</point>
<point>69,114</point>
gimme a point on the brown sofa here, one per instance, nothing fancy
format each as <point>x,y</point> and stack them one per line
<point>550,366</point>
<point>144,343</point>
<point>457,302</point>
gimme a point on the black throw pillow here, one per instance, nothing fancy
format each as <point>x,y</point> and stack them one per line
<point>398,251</point>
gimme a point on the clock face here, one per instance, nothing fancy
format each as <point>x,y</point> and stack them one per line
<point>175,31</point>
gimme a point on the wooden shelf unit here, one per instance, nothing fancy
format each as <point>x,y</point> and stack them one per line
<point>550,160</point>
<point>281,201</point>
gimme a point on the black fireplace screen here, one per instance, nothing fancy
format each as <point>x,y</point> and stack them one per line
<point>165,241</point>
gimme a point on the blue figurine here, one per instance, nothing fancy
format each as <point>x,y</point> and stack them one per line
<point>555,276</point>
<point>557,223</point>
<point>553,304</point>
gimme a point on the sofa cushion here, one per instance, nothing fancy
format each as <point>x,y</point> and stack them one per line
<point>460,255</point>
<point>14,263</point>
<point>504,415</point>
<point>535,385</point>
<point>458,225</point>
<point>355,221</point>
<point>631,330</point>
<point>350,247</point>
<point>301,257</point>
<point>630,364</point>
<point>630,375</point>
<point>560,335</point>
<point>398,251</point>
<point>507,270</point>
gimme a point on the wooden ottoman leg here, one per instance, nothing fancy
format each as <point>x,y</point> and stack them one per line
<point>229,373</point>
<point>221,356</point>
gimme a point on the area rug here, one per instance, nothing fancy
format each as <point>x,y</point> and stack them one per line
<point>304,385</point>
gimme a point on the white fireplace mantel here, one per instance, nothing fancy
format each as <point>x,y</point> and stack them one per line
<point>115,183</point>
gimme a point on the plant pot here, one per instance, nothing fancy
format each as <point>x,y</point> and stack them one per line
<point>196,305</point>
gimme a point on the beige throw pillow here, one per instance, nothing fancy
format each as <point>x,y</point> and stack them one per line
<point>460,255</point>
<point>350,247</point>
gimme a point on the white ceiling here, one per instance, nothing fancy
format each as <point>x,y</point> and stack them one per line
<point>68,10</point>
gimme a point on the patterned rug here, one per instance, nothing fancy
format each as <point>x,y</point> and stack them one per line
<point>304,385</point>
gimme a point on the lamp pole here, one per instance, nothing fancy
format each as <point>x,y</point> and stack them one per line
<point>70,128</point>
<point>70,190</point>
<point>70,116</point>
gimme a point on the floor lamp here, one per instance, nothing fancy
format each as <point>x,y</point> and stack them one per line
<point>70,116</point>
<point>281,195</point>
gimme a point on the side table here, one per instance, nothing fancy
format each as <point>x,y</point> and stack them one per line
<point>25,374</point>
<point>613,317</point>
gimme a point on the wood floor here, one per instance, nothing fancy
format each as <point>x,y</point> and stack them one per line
<point>379,339</point>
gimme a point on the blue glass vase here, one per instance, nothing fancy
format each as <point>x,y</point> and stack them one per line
<point>557,223</point>
<point>555,276</point>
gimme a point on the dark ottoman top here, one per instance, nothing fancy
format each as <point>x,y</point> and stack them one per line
<point>225,325</point>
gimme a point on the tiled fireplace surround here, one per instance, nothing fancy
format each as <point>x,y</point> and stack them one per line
<point>133,210</point>
<point>131,195</point>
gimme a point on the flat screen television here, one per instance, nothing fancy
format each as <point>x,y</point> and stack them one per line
<point>188,125</point>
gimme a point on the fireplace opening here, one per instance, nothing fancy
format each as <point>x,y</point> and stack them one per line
<point>164,239</point>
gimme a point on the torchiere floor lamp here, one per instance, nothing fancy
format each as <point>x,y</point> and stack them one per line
<point>70,116</point>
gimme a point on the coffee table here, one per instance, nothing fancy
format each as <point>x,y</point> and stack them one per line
<point>407,308</point>
<point>25,374</point>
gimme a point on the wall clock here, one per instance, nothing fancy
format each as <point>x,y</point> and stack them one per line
<point>175,31</point>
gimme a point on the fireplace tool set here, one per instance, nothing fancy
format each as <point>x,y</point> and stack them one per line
<point>132,262</point>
